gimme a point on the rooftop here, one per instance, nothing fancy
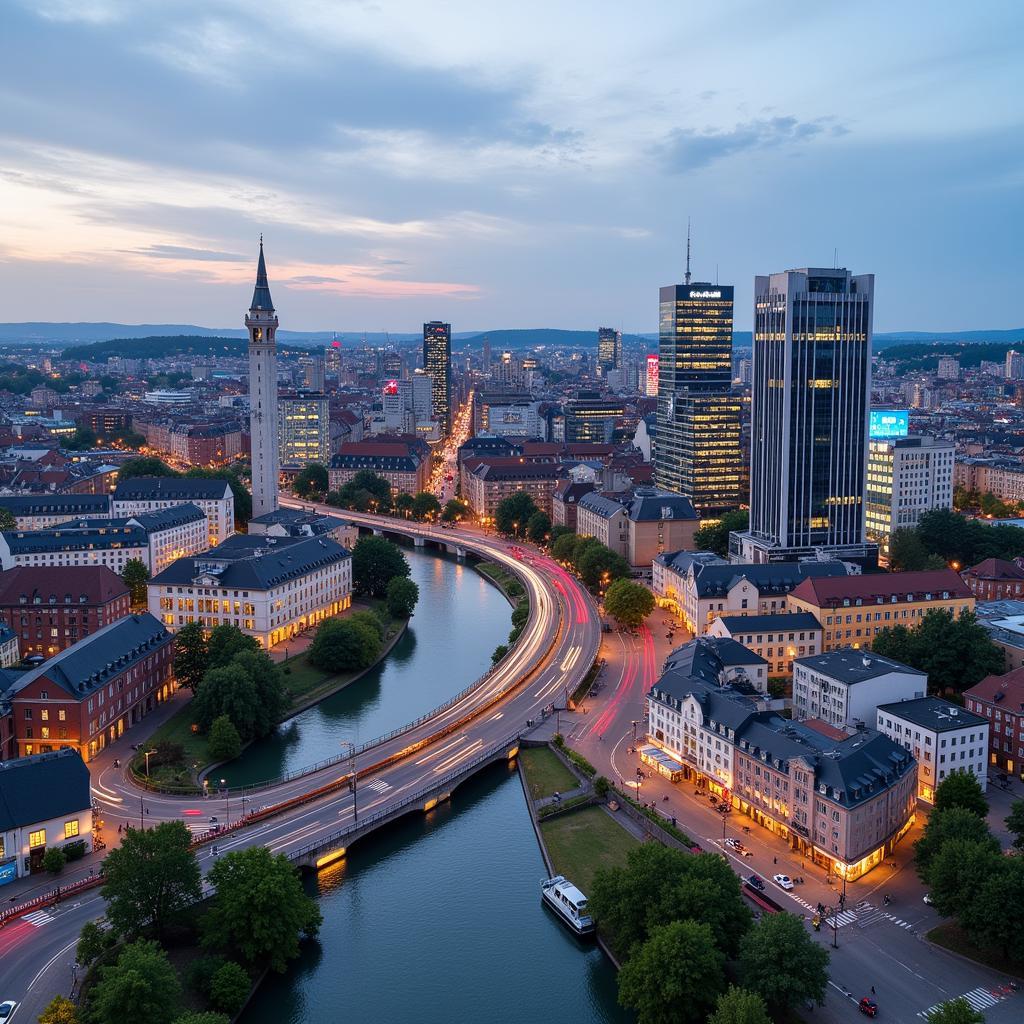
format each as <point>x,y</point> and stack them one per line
<point>854,666</point>
<point>1006,690</point>
<point>933,713</point>
<point>56,504</point>
<point>881,587</point>
<point>63,584</point>
<point>995,569</point>
<point>769,623</point>
<point>42,787</point>
<point>169,488</point>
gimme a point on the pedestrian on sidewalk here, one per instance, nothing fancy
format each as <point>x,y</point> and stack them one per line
<point>775,860</point>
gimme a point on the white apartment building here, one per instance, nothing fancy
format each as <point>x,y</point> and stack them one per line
<point>39,511</point>
<point>949,368</point>
<point>269,587</point>
<point>845,687</point>
<point>139,495</point>
<point>906,477</point>
<point>156,539</point>
<point>943,737</point>
<point>780,639</point>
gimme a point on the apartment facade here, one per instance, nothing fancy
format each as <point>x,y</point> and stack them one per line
<point>1000,701</point>
<point>140,495</point>
<point>403,465</point>
<point>485,484</point>
<point>780,639</point>
<point>854,609</point>
<point>996,475</point>
<point>41,511</point>
<point>995,579</point>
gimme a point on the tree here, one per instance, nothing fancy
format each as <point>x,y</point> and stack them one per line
<point>191,656</point>
<point>560,530</point>
<point>204,1017</point>
<point>403,504</point>
<point>136,576</point>
<point>311,480</point>
<point>1015,824</point>
<point>59,1010</point>
<point>513,513</point>
<point>223,743</point>
<point>81,440</point>
<point>957,873</point>
<point>365,492</point>
<point>141,986</point>
<point>402,596</point>
<point>955,1011</point>
<point>454,511</point>
<point>145,465</point>
<point>738,1006</point>
<point>782,963</point>
<point>961,789</point>
<point>259,908</point>
<point>563,549</point>
<point>425,506</point>
<point>7,520</point>
<point>92,941</point>
<point>538,526</point>
<point>630,603</point>
<point>907,553</point>
<point>231,692</point>
<point>985,913</point>
<point>715,535</point>
<point>599,566</point>
<point>54,860</point>
<point>151,878</point>
<point>375,562</point>
<point>344,645</point>
<point>499,652</point>
<point>225,642</point>
<point>674,976</point>
<point>229,987</point>
<point>268,679</point>
<point>944,827</point>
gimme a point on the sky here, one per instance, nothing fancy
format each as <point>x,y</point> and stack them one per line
<point>505,166</point>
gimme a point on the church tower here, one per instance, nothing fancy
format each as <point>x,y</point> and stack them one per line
<point>261,322</point>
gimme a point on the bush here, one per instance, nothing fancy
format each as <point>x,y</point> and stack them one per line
<point>224,743</point>
<point>201,972</point>
<point>229,987</point>
<point>75,850</point>
<point>601,786</point>
<point>499,652</point>
<point>346,645</point>
<point>54,860</point>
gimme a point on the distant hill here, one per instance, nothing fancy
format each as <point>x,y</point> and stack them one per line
<point>550,336</point>
<point>1009,337</point>
<point>168,345</point>
<point>920,355</point>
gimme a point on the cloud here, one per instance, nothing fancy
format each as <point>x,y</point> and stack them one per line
<point>184,252</point>
<point>686,149</point>
<point>315,279</point>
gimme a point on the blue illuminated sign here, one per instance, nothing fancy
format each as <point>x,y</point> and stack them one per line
<point>889,423</point>
<point>8,872</point>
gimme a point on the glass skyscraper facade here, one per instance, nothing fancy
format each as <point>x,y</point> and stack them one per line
<point>609,349</point>
<point>304,429</point>
<point>437,364</point>
<point>698,433</point>
<point>811,390</point>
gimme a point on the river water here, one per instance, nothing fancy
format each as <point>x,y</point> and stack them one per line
<point>436,919</point>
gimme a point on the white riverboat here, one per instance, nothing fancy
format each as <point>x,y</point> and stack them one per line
<point>568,903</point>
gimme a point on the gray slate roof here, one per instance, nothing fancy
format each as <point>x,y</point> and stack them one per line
<point>853,666</point>
<point>933,713</point>
<point>56,504</point>
<point>707,656</point>
<point>168,488</point>
<point>44,786</point>
<point>772,578</point>
<point>770,623</point>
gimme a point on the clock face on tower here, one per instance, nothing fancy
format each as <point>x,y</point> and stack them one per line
<point>257,334</point>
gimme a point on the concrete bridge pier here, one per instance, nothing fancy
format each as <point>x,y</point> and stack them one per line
<point>377,532</point>
<point>419,542</point>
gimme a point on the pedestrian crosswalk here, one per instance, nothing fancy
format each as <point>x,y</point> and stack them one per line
<point>378,786</point>
<point>38,918</point>
<point>838,920</point>
<point>868,914</point>
<point>979,998</point>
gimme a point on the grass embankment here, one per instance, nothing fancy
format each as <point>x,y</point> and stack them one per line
<point>545,774</point>
<point>582,843</point>
<point>950,936</point>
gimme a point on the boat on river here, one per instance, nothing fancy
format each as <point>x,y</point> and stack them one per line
<point>568,903</point>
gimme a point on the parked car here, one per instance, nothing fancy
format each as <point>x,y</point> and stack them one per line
<point>868,1007</point>
<point>756,883</point>
<point>735,844</point>
<point>7,1010</point>
<point>783,881</point>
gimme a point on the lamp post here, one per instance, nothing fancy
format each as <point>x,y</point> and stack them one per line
<point>148,754</point>
<point>639,780</point>
<point>227,801</point>
<point>353,778</point>
<point>634,723</point>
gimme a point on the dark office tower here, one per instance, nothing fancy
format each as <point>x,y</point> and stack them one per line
<point>609,349</point>
<point>698,431</point>
<point>810,397</point>
<point>487,354</point>
<point>437,362</point>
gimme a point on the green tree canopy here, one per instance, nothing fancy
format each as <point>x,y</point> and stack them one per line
<point>225,642</point>
<point>82,440</point>
<point>375,562</point>
<point>145,465</point>
<point>403,504</point>
<point>150,879</point>
<point>425,506</point>
<point>907,553</point>
<point>945,826</point>
<point>559,530</point>
<point>54,860</point>
<point>738,1006</point>
<point>957,872</point>
<point>311,480</point>
<point>402,596</point>
<point>7,520</point>
<point>715,536</point>
<point>985,913</point>
<point>259,909</point>
<point>191,656</point>
<point>599,566</point>
<point>454,511</point>
<point>365,492</point>
<point>136,576</point>
<point>675,976</point>
<point>968,541</point>
<point>782,963</point>
<point>59,1010</point>
<point>230,692</point>
<point>538,526</point>
<point>961,789</point>
<point>1014,822</point>
<point>141,986</point>
<point>630,603</point>
<point>92,941</point>
<point>345,645</point>
<point>229,987</point>
<point>563,548</point>
<point>956,1011</point>
<point>223,743</point>
<point>513,514</point>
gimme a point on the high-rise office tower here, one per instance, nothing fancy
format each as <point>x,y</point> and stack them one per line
<point>304,429</point>
<point>332,357</point>
<point>651,380</point>
<point>698,428</point>
<point>261,322</point>
<point>809,417</point>
<point>486,354</point>
<point>609,349</point>
<point>1014,365</point>
<point>313,371</point>
<point>437,362</point>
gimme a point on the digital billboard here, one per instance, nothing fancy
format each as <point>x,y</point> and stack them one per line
<point>889,423</point>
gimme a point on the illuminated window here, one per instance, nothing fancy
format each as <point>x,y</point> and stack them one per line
<point>37,839</point>
<point>71,829</point>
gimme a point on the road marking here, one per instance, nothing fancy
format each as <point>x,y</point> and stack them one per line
<point>38,918</point>
<point>302,833</point>
<point>440,750</point>
<point>49,963</point>
<point>840,919</point>
<point>378,786</point>
<point>980,999</point>
<point>461,755</point>
<point>494,718</point>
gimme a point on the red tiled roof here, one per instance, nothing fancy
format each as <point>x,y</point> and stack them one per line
<point>1011,685</point>
<point>825,729</point>
<point>826,590</point>
<point>995,569</point>
<point>99,583</point>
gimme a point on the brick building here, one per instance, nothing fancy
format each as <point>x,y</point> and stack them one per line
<point>995,579</point>
<point>1000,700</point>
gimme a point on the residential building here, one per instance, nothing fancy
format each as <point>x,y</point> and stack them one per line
<point>651,376</point>
<point>86,696</point>
<point>853,609</point>
<point>487,482</point>
<point>995,579</point>
<point>1014,365</point>
<point>949,368</point>
<point>514,415</point>
<point>996,475</point>
<point>1000,700</point>
<point>698,453</point>
<point>778,638</point>
<point>154,538</point>
<point>590,419</point>
<point>51,608</point>
<point>141,494</point>
<point>639,525</point>
<point>1004,622</point>
<point>261,323</point>
<point>401,463</point>
<point>437,363</point>
<point>698,587</point>
<point>609,349</point>
<point>843,687</point>
<point>45,801</point>
<point>10,653</point>
<point>906,477</point>
<point>40,511</point>
<point>942,737</point>
<point>271,588</point>
<point>844,801</point>
<point>304,429</point>
<point>809,417</point>
<point>293,522</point>
<point>565,501</point>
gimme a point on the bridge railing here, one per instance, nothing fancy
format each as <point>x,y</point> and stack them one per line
<point>407,801</point>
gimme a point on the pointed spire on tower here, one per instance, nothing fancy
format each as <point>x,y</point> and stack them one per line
<point>261,295</point>
<point>686,279</point>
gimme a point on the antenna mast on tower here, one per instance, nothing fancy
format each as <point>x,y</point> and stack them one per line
<point>686,279</point>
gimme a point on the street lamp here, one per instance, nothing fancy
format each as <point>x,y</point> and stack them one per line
<point>353,778</point>
<point>639,780</point>
<point>634,723</point>
<point>148,755</point>
<point>227,801</point>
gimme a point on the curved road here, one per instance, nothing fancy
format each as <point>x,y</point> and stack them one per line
<point>556,649</point>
